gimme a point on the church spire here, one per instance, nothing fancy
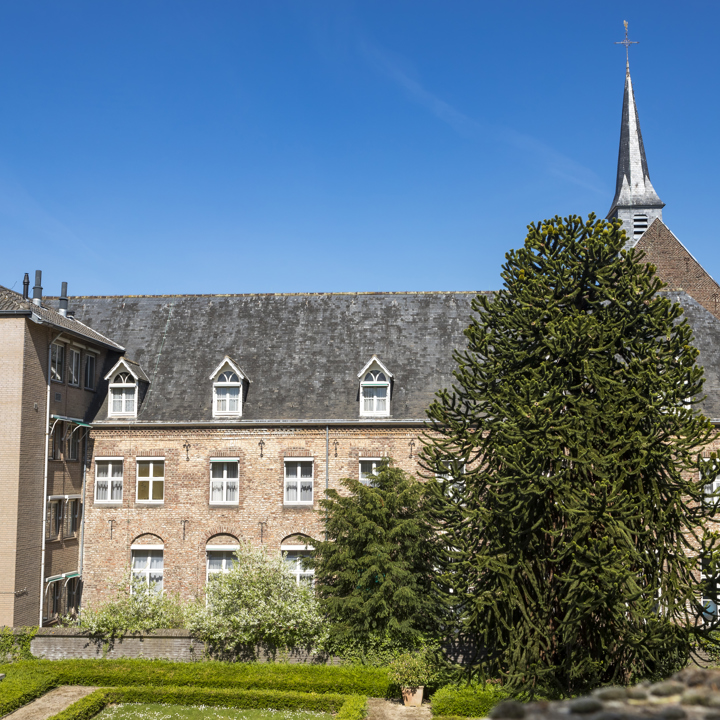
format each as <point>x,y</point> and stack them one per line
<point>636,203</point>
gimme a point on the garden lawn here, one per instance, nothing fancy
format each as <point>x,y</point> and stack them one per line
<point>179,712</point>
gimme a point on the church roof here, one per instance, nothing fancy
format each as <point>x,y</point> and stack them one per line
<point>633,187</point>
<point>303,351</point>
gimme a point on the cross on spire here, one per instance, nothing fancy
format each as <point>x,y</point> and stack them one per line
<point>627,43</point>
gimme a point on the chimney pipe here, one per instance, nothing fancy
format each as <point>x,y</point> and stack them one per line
<point>63,300</point>
<point>26,286</point>
<point>37,289</point>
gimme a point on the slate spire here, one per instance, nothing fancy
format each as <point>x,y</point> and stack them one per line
<point>636,203</point>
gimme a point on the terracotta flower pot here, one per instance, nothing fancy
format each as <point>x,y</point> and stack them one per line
<point>412,696</point>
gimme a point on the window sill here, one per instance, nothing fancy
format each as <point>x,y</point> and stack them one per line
<point>227,415</point>
<point>122,416</point>
<point>108,503</point>
<point>150,502</point>
<point>369,416</point>
<point>224,504</point>
<point>75,385</point>
<point>299,504</point>
<point>57,382</point>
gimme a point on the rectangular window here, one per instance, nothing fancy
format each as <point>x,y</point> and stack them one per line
<point>73,595</point>
<point>375,400</point>
<point>108,481</point>
<point>224,482</point>
<point>122,401</point>
<point>712,491</point>
<point>368,470</point>
<point>74,516</point>
<point>89,372</point>
<point>57,362</point>
<point>227,400</point>
<point>294,559</point>
<point>151,481</point>
<point>56,441</point>
<point>710,591</point>
<point>298,482</point>
<point>147,566</point>
<point>55,597</point>
<point>220,561</point>
<point>73,442</point>
<point>55,519</point>
<point>74,367</point>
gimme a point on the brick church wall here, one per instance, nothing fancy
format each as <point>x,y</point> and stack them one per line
<point>678,268</point>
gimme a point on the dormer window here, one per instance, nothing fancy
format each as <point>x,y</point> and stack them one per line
<point>375,389</point>
<point>123,383</point>
<point>123,392</point>
<point>227,389</point>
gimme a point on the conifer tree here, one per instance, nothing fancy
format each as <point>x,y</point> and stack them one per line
<point>373,571</point>
<point>572,504</point>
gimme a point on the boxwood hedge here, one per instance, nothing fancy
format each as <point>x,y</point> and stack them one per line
<point>466,700</point>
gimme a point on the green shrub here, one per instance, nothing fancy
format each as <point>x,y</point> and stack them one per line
<point>86,707</point>
<point>355,708</point>
<point>348,708</point>
<point>466,700</point>
<point>135,609</point>
<point>413,669</point>
<point>15,644</point>
<point>24,682</point>
<point>347,680</point>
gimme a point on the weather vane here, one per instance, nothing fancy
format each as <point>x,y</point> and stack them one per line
<point>627,43</point>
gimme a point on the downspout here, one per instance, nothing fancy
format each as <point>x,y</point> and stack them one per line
<point>82,507</point>
<point>45,476</point>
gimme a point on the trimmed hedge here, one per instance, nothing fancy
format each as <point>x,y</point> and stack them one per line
<point>466,700</point>
<point>22,685</point>
<point>351,707</point>
<point>345,680</point>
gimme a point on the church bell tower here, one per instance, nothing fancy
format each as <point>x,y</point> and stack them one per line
<point>636,203</point>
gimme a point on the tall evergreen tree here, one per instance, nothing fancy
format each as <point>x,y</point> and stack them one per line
<point>572,508</point>
<point>373,571</point>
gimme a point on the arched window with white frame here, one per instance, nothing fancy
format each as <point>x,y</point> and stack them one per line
<point>227,389</point>
<point>375,381</point>
<point>295,551</point>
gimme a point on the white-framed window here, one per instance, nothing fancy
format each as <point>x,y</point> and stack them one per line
<point>147,565</point>
<point>108,480</point>
<point>298,481</point>
<point>220,559</point>
<point>123,391</point>
<point>294,557</point>
<point>89,381</point>
<point>224,481</point>
<point>712,491</point>
<point>73,442</point>
<point>151,480</point>
<point>368,470</point>
<point>56,441</point>
<point>55,515</point>
<point>74,367</point>
<point>57,362</point>
<point>74,512</point>
<point>226,394</point>
<point>375,394</point>
<point>710,591</point>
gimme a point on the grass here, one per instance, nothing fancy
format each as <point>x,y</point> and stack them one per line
<point>152,711</point>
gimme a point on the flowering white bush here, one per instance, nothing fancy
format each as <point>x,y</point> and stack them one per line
<point>257,602</point>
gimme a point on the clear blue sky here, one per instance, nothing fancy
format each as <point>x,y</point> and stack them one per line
<point>322,145</point>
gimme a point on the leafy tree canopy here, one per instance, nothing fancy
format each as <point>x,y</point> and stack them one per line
<point>573,508</point>
<point>373,572</point>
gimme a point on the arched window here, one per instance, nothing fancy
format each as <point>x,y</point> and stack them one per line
<point>227,389</point>
<point>123,392</point>
<point>295,550</point>
<point>375,394</point>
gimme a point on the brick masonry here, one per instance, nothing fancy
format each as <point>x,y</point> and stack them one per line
<point>678,268</point>
<point>185,523</point>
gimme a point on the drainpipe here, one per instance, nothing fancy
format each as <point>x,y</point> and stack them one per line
<point>45,477</point>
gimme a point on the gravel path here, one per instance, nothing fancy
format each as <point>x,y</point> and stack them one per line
<point>51,703</point>
<point>388,710</point>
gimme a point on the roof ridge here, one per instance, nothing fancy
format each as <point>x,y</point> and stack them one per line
<point>296,294</point>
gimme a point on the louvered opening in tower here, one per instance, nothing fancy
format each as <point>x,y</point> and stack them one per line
<point>640,225</point>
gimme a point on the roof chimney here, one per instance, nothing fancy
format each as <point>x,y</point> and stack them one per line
<point>37,289</point>
<point>63,300</point>
<point>26,286</point>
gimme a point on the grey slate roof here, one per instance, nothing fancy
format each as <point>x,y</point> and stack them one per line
<point>12,303</point>
<point>303,352</point>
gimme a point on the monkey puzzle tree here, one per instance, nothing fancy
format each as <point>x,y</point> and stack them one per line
<point>572,505</point>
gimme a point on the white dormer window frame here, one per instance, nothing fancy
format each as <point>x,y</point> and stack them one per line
<point>228,380</point>
<point>123,391</point>
<point>375,389</point>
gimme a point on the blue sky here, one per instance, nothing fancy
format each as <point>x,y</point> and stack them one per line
<point>152,147</point>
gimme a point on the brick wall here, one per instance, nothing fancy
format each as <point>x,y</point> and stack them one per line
<point>186,521</point>
<point>678,268</point>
